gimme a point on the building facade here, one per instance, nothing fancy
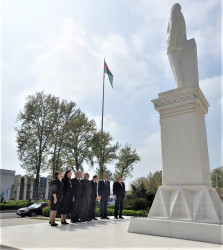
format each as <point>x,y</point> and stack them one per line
<point>18,187</point>
<point>6,180</point>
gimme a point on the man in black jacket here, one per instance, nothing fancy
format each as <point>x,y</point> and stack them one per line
<point>103,195</point>
<point>87,197</point>
<point>77,196</point>
<point>94,185</point>
<point>119,196</point>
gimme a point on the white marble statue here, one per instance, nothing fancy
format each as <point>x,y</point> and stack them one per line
<point>181,52</point>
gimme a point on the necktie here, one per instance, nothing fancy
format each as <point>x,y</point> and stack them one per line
<point>120,184</point>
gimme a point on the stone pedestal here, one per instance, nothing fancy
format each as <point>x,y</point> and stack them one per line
<point>183,136</point>
<point>186,194</point>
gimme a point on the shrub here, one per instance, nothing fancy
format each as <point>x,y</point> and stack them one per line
<point>139,204</point>
<point>110,212</point>
<point>128,207</point>
<point>111,206</point>
<point>140,213</point>
<point>46,211</point>
<point>14,204</point>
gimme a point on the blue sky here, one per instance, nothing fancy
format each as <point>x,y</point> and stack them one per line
<point>59,46</point>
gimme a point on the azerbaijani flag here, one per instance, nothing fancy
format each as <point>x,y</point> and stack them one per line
<point>107,71</point>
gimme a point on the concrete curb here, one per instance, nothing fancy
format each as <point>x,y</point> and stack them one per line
<point>8,211</point>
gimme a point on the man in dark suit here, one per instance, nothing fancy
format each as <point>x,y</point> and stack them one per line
<point>103,195</point>
<point>78,197</point>
<point>94,185</point>
<point>87,193</point>
<point>119,196</point>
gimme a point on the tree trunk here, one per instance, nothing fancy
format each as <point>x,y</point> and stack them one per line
<point>36,187</point>
<point>54,162</point>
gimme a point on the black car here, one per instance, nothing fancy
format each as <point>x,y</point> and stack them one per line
<point>33,210</point>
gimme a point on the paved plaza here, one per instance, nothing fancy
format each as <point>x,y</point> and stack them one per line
<point>104,234</point>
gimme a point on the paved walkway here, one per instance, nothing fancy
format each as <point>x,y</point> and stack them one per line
<point>103,234</point>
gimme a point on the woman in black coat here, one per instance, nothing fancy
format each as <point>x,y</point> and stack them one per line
<point>56,197</point>
<point>66,203</point>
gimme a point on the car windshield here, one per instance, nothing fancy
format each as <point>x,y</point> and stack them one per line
<point>35,205</point>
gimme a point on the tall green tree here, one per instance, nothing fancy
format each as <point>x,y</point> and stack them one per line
<point>217,177</point>
<point>34,127</point>
<point>154,181</point>
<point>78,141</point>
<point>151,182</point>
<point>139,191</point>
<point>126,158</point>
<point>65,114</point>
<point>104,152</point>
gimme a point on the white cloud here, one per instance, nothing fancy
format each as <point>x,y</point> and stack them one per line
<point>68,66</point>
<point>118,131</point>
<point>212,87</point>
<point>150,153</point>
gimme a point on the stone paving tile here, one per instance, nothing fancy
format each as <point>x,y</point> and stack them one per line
<point>101,234</point>
<point>18,221</point>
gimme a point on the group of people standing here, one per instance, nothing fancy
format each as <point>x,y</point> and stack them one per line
<point>78,197</point>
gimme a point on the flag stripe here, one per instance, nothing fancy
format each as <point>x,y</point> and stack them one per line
<point>108,72</point>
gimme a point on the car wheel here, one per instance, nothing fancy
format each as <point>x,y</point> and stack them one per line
<point>22,215</point>
<point>33,214</point>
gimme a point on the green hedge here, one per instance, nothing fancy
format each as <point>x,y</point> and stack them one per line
<point>110,212</point>
<point>13,205</point>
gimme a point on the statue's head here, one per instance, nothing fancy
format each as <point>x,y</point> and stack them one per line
<point>176,6</point>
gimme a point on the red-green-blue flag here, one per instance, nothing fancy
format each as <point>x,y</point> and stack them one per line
<point>108,72</point>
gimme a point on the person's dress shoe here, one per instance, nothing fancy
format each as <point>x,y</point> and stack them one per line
<point>115,217</point>
<point>120,217</point>
<point>64,222</point>
<point>88,219</point>
<point>95,219</point>
<point>107,218</point>
<point>102,218</point>
<point>79,221</point>
<point>53,225</point>
<point>73,221</point>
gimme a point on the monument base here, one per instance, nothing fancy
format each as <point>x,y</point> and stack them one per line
<point>193,203</point>
<point>211,233</point>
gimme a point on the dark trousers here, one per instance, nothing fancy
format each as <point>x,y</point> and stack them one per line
<point>103,206</point>
<point>86,209</point>
<point>76,209</point>
<point>92,209</point>
<point>119,202</point>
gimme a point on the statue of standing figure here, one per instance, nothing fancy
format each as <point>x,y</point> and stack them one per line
<point>182,53</point>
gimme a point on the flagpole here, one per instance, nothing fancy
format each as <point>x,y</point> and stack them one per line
<point>102,117</point>
<point>103,95</point>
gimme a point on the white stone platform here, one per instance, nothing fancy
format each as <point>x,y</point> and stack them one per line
<point>101,234</point>
<point>178,229</point>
